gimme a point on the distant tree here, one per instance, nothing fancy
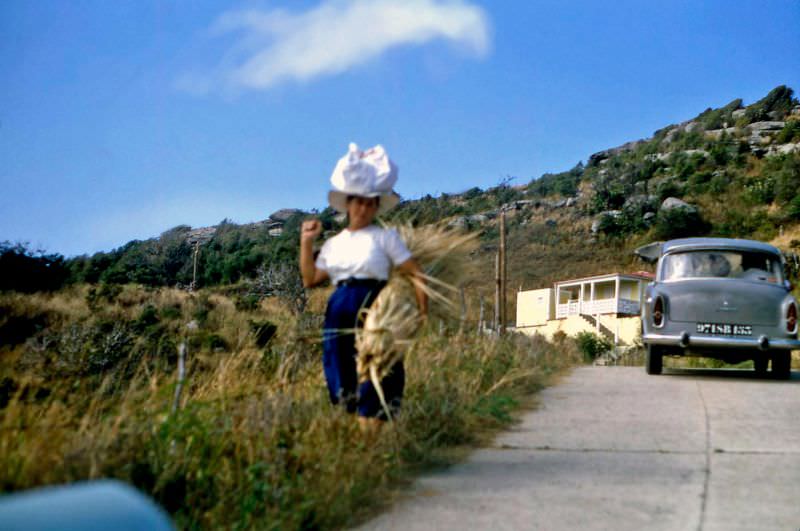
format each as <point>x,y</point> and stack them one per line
<point>472,193</point>
<point>27,271</point>
<point>178,231</point>
<point>504,193</point>
<point>281,280</point>
<point>564,183</point>
<point>717,118</point>
<point>780,100</point>
<point>96,266</point>
<point>327,218</point>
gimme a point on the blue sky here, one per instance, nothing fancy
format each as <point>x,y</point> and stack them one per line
<point>119,120</point>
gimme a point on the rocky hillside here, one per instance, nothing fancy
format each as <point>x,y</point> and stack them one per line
<point>730,171</point>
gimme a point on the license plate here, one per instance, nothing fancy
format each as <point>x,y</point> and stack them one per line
<point>717,329</point>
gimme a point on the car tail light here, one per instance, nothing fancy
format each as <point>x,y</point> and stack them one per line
<point>791,318</point>
<point>658,312</point>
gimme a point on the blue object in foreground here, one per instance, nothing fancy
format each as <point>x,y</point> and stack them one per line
<point>88,506</point>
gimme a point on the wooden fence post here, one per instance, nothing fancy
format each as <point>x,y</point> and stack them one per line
<point>181,376</point>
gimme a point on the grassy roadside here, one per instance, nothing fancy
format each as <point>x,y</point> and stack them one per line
<point>87,392</point>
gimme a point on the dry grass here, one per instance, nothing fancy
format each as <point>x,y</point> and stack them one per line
<point>255,443</point>
<point>791,233</point>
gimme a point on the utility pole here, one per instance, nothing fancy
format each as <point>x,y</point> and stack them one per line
<point>193,286</point>
<point>503,271</point>
<point>497,281</point>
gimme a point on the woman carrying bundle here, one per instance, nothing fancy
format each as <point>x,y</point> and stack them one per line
<point>358,262</point>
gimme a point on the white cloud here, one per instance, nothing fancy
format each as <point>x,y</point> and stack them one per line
<point>277,46</point>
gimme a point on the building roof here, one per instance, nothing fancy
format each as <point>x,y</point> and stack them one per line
<point>639,275</point>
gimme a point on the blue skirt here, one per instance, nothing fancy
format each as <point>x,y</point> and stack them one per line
<point>339,353</point>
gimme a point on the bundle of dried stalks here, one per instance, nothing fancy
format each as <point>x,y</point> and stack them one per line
<point>393,319</point>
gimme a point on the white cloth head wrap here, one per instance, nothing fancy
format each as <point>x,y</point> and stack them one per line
<point>367,173</point>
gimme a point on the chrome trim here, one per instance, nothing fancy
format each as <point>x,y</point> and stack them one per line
<point>683,340</point>
<point>722,342</point>
<point>763,342</point>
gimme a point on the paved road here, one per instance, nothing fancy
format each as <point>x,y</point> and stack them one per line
<point>613,448</point>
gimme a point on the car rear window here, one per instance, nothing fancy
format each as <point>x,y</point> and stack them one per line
<point>747,265</point>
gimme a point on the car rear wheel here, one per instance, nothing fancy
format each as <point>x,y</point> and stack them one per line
<point>653,360</point>
<point>782,365</point>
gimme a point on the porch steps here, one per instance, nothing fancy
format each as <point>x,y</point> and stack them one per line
<point>603,328</point>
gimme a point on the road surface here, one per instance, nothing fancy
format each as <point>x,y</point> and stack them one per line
<point>614,448</point>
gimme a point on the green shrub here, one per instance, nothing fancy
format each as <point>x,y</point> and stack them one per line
<point>629,220</point>
<point>110,342</point>
<point>719,183</point>
<point>247,302</point>
<point>564,183</point>
<point>698,181</point>
<point>669,188</point>
<point>793,208</point>
<point>215,342</point>
<point>720,153</point>
<point>784,172</point>
<point>592,345</point>
<point>171,313</point>
<point>760,190</point>
<point>610,193</point>
<point>147,318</point>
<point>789,133</point>
<point>716,118</point>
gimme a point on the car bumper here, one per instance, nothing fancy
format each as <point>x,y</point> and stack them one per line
<point>685,340</point>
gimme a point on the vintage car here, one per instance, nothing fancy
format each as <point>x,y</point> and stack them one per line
<point>720,298</point>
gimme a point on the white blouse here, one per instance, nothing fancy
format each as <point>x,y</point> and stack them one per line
<point>370,252</point>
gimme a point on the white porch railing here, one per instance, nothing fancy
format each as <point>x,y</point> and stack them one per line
<point>600,306</point>
<point>628,306</point>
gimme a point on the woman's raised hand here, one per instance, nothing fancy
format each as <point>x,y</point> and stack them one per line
<point>310,229</point>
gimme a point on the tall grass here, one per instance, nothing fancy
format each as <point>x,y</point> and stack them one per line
<point>255,442</point>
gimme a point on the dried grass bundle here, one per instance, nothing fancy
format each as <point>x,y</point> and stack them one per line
<point>393,319</point>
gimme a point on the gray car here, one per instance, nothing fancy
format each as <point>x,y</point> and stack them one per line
<point>719,298</point>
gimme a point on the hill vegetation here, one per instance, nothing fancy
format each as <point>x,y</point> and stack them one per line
<point>90,345</point>
<point>735,168</point>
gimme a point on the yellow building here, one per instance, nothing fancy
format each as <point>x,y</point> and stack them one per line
<point>606,304</point>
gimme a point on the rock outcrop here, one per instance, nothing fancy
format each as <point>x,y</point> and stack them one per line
<point>672,203</point>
